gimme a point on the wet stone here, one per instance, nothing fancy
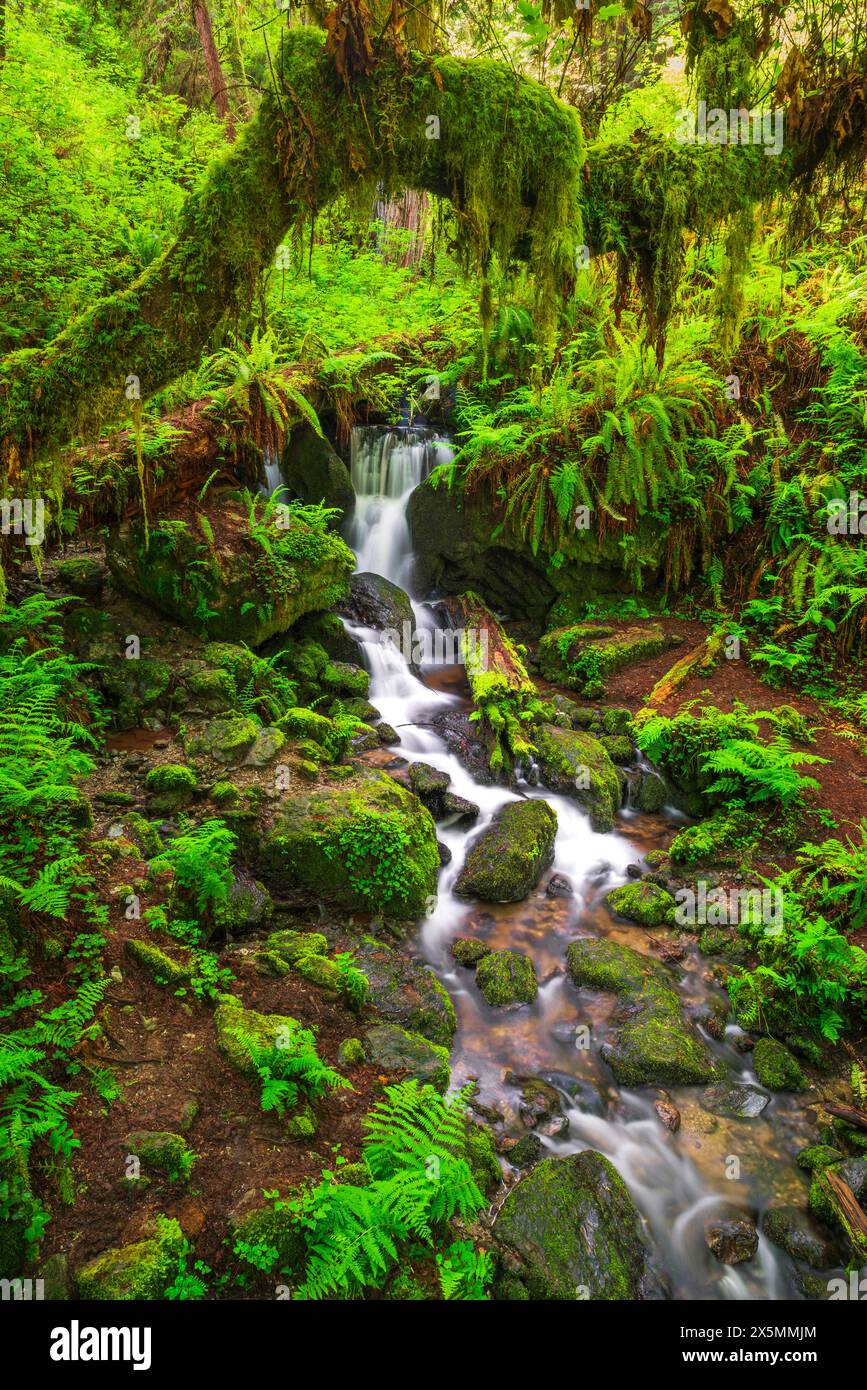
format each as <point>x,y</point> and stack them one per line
<point>740,1102</point>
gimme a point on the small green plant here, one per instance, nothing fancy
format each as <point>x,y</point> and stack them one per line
<point>464,1272</point>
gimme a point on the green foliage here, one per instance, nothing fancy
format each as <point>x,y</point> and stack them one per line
<point>464,1272</point>
<point>293,1070</point>
<point>201,860</point>
<point>373,847</point>
<point>416,1153</point>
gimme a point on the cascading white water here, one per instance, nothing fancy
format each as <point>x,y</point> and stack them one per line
<point>673,1191</point>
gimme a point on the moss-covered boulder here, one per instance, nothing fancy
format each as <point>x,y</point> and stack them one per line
<point>583,657</point>
<point>131,687</point>
<point>313,472</point>
<point>161,1151</point>
<point>394,1049</point>
<point>141,1270</point>
<point>776,1068</point>
<point>227,741</point>
<point>574,763</point>
<point>227,579</point>
<point>643,902</point>
<point>241,1033</point>
<point>511,854</point>
<point>171,786</point>
<point>795,1231</point>
<point>468,951</point>
<point>175,970</point>
<point>405,991</point>
<point>507,977</point>
<point>375,602</point>
<point>570,1230</point>
<point>369,845</point>
<point>652,1042</point>
<point>291,944</point>
<point>255,1223</point>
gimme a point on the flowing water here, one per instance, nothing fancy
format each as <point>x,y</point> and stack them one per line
<point>677,1180</point>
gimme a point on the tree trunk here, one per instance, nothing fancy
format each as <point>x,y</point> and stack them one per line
<point>202,19</point>
<point>405,213</point>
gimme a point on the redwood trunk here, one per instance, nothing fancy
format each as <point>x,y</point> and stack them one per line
<point>212,63</point>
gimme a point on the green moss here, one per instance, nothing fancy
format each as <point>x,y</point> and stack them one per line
<point>268,1228</point>
<point>225,793</point>
<point>617,721</point>
<point>227,740</point>
<point>171,785</point>
<point>576,764</point>
<point>507,977</point>
<point>722,838</point>
<point>619,748</point>
<point>141,1270</point>
<point>815,1157</point>
<point>292,944</point>
<point>469,952</point>
<point>351,1053</point>
<point>652,1043</point>
<point>508,858</point>
<point>396,1049</point>
<point>342,678</point>
<point>583,657</point>
<point>243,1032</point>
<point>776,1068</point>
<point>304,723</point>
<point>162,1151</point>
<point>643,902</point>
<point>162,968</point>
<point>482,1158</point>
<point>143,834</point>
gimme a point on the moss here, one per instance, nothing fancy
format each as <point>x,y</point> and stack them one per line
<point>722,838</point>
<point>225,793</point>
<point>351,1053</point>
<point>141,1270</point>
<point>597,1252</point>
<point>304,723</point>
<point>319,971</point>
<point>776,1068</point>
<point>643,902</point>
<point>619,748</point>
<point>395,1049</point>
<point>143,834</point>
<point>482,1158</point>
<point>576,764</point>
<point>509,857</point>
<point>162,1151</point>
<point>243,1032</point>
<point>583,657</point>
<point>469,952</point>
<point>507,977</point>
<point>652,1043</point>
<point>617,721</point>
<point>370,846</point>
<point>268,1226</point>
<point>161,967</point>
<point>343,678</point>
<point>227,740</point>
<point>213,689</point>
<point>302,1123</point>
<point>815,1157</point>
<point>292,944</point>
<point>171,785</point>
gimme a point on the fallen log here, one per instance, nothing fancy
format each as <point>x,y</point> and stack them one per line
<point>851,1217</point>
<point>849,1113</point>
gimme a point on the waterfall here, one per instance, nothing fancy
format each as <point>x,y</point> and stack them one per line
<point>386,465</point>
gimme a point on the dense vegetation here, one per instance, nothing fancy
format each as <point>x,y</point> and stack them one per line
<point>230,235</point>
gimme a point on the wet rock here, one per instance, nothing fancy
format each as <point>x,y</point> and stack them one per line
<point>386,734</point>
<point>161,1151</point>
<point>652,1042</point>
<point>668,1113</point>
<point>266,745</point>
<point>776,1068</point>
<point>732,1239</point>
<point>526,1151</point>
<point>314,472</point>
<point>652,793</point>
<point>818,1156</point>
<point>429,785</point>
<point>327,841</point>
<point>406,992</point>
<point>577,765</point>
<point>83,575</point>
<point>507,977</point>
<point>853,1172</point>
<point>794,1231</point>
<point>540,1107</point>
<point>559,887</point>
<point>376,603</point>
<point>444,852</point>
<point>570,1230</point>
<point>458,810</point>
<point>468,952</point>
<point>509,857</point>
<point>736,1101</point>
<point>394,1049</point>
<point>249,907</point>
<point>462,739</point>
<point>642,902</point>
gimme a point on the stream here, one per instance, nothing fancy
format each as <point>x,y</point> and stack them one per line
<point>677,1180</point>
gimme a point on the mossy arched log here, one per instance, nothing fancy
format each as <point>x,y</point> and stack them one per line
<point>503,149</point>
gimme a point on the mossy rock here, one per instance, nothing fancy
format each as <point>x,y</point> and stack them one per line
<point>143,834</point>
<point>227,741</point>
<point>652,793</point>
<point>82,575</point>
<point>575,764</point>
<point>507,977</point>
<point>573,1232</point>
<point>619,748</point>
<point>583,657</point>
<point>291,944</point>
<point>268,1228</point>
<point>171,786</point>
<point>852,1171</point>
<point>643,902</point>
<point>652,1042</point>
<point>314,472</point>
<point>307,724</point>
<point>161,967</point>
<point>482,1158</point>
<point>406,992</point>
<point>617,721</point>
<point>721,838</point>
<point>815,1157</point>
<point>345,679</point>
<point>510,855</point>
<point>210,688</point>
<point>351,1053</point>
<point>795,1232</point>
<point>319,971</point>
<point>141,1270</point>
<point>394,1049</point>
<point>161,1151</point>
<point>776,1068</point>
<point>469,952</point>
<point>249,907</point>
<point>225,794</point>
<point>240,591</point>
<point>266,746</point>
<point>370,846</point>
<point>243,1032</point>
